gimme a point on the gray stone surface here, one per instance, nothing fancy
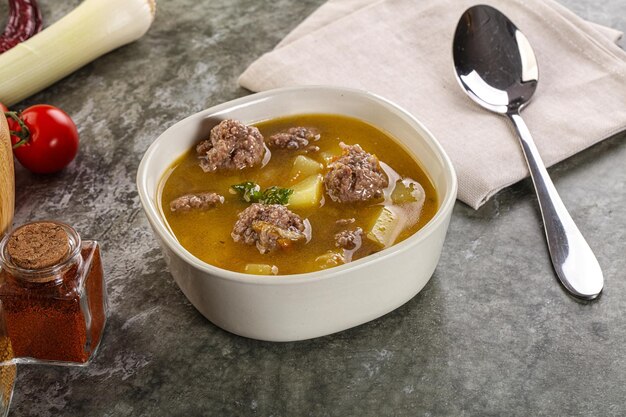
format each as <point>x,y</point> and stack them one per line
<point>492,334</point>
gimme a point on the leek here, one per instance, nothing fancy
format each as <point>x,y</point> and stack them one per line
<point>89,31</point>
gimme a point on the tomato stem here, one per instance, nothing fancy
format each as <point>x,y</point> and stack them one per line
<point>23,133</point>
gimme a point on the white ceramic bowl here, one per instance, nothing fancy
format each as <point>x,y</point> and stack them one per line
<point>302,306</point>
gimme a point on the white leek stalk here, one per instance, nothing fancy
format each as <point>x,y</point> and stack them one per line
<point>89,31</point>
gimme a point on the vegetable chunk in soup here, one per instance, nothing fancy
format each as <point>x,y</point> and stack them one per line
<point>296,194</point>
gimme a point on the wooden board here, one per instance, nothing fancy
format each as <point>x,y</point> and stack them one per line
<point>7,177</point>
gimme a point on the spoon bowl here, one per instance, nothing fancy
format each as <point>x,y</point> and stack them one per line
<point>494,61</point>
<point>497,68</point>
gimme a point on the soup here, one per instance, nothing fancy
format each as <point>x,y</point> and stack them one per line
<point>295,194</point>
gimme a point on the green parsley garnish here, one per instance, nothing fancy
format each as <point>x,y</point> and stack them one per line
<point>276,195</point>
<point>250,192</point>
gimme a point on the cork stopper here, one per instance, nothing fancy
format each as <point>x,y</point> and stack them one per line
<point>38,245</point>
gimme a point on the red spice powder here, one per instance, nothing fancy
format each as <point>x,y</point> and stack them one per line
<point>45,321</point>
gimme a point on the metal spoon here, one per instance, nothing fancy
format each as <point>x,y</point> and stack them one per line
<point>497,68</point>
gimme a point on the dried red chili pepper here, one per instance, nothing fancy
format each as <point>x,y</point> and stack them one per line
<point>53,293</point>
<point>24,22</point>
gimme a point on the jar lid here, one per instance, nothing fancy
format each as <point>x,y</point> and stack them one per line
<point>38,245</point>
<point>39,251</point>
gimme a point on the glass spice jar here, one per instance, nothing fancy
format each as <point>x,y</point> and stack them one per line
<point>53,294</point>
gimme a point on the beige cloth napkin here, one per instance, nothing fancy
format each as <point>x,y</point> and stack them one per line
<point>401,49</point>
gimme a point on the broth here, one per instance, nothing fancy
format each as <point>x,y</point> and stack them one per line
<point>207,234</point>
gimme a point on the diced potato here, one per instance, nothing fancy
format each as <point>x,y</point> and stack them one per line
<point>329,259</point>
<point>261,269</point>
<point>407,192</point>
<point>307,193</point>
<point>304,166</point>
<point>387,227</point>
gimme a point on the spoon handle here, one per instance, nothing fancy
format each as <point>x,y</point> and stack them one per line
<point>573,260</point>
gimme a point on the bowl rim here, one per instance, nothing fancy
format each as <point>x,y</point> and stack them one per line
<point>158,225</point>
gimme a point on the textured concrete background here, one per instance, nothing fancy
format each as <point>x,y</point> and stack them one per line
<point>492,334</point>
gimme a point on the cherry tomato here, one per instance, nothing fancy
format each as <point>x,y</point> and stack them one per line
<point>53,140</point>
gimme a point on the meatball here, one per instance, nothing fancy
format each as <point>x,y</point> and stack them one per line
<point>231,145</point>
<point>293,138</point>
<point>355,176</point>
<point>202,201</point>
<point>268,226</point>
<point>349,239</point>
